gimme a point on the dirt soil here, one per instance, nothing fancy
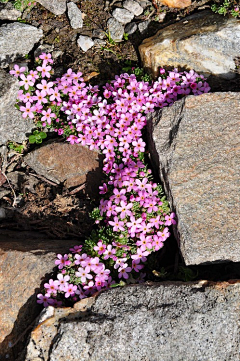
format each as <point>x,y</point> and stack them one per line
<point>33,203</point>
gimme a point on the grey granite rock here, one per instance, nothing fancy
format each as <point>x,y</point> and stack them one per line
<point>99,43</point>
<point>133,6</point>
<point>205,42</point>
<point>8,12</point>
<point>143,26</point>
<point>12,125</point>
<point>196,148</point>
<point>75,16</point>
<point>158,322</point>
<point>43,48</point>
<point>130,28</point>
<point>122,15</point>
<point>85,42</point>
<point>116,29</point>
<point>99,33</point>
<point>17,39</point>
<point>57,7</point>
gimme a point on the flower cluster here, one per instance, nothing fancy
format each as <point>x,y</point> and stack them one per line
<point>133,216</point>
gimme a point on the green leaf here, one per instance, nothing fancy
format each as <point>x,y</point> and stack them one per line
<point>32,139</point>
<point>43,135</point>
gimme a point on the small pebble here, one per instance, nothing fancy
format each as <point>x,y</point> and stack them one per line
<point>130,28</point>
<point>75,16</point>
<point>85,42</point>
<point>142,27</point>
<point>133,7</point>
<point>116,29</point>
<point>122,15</point>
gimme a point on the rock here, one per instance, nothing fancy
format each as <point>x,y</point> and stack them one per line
<point>99,43</point>
<point>64,162</point>
<point>44,48</point>
<point>115,29</point>
<point>205,42</point>
<point>197,145</point>
<point>57,7</point>
<point>178,4</point>
<point>17,39</point>
<point>99,33</point>
<point>12,125</point>
<point>144,3</point>
<point>75,16</point>
<point>57,53</point>
<point>130,28</point>
<point>133,6</point>
<point>3,213</point>
<point>142,27</point>
<point>8,12</point>
<point>85,42</point>
<point>122,15</point>
<point>168,321</point>
<point>26,258</point>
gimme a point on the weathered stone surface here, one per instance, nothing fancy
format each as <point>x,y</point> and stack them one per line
<point>17,39</point>
<point>85,42</point>
<point>158,322</point>
<point>64,162</point>
<point>115,29</point>
<point>130,28</point>
<point>122,15</point>
<point>57,7</point>
<point>12,125</point>
<point>75,16</point>
<point>178,4</point>
<point>8,12</point>
<point>133,6</point>
<point>143,26</point>
<point>197,142</point>
<point>25,259</point>
<point>205,42</point>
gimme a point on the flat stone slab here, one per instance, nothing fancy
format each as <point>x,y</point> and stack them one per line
<point>157,322</point>
<point>73,165</point>
<point>205,42</point>
<point>26,259</point>
<point>196,148</point>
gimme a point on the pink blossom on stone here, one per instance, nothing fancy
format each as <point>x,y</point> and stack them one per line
<point>17,71</point>
<point>70,290</point>
<point>62,261</point>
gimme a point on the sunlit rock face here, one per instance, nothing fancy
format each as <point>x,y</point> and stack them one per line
<point>195,147</point>
<point>205,42</point>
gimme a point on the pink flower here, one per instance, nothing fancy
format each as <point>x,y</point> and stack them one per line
<point>47,115</point>
<point>170,219</point>
<point>117,225</point>
<point>70,290</point>
<point>28,110</point>
<point>45,69</point>
<point>62,261</point>
<point>84,274</point>
<point>62,281</point>
<point>45,300</point>
<point>100,248</point>
<point>51,287</point>
<point>26,81</point>
<point>123,271</point>
<point>124,209</point>
<point>17,71</point>
<point>109,252</point>
<point>141,255</point>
